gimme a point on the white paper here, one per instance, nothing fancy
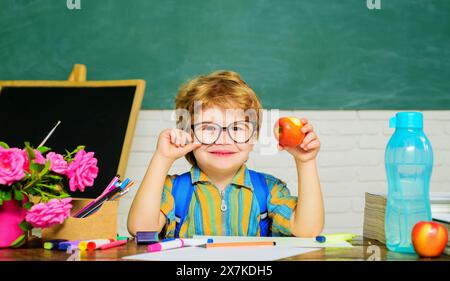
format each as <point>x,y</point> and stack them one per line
<point>257,253</point>
<point>442,217</point>
<point>190,242</point>
<point>281,241</point>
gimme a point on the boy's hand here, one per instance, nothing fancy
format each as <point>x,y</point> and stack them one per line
<point>310,146</point>
<point>174,144</point>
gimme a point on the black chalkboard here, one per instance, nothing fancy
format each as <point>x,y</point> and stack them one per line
<point>97,117</point>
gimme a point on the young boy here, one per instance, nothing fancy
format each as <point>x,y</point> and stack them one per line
<point>220,195</point>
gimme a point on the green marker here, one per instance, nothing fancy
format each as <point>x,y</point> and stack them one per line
<point>53,244</point>
<point>335,238</point>
<point>119,238</point>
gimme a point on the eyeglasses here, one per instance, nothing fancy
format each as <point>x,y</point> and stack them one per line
<point>209,132</point>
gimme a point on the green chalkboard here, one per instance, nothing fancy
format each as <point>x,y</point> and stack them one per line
<point>320,54</point>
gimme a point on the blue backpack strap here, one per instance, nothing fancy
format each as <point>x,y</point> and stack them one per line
<point>182,190</point>
<point>261,191</point>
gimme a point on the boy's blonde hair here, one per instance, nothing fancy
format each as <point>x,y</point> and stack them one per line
<point>224,89</point>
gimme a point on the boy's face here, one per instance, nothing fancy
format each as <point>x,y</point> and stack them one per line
<point>219,150</point>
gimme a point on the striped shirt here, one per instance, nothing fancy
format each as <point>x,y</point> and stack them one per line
<point>242,214</point>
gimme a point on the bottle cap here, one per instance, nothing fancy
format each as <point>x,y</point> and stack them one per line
<point>321,239</point>
<point>154,247</point>
<point>48,245</point>
<point>413,120</point>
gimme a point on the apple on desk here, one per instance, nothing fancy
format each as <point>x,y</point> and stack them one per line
<point>429,239</point>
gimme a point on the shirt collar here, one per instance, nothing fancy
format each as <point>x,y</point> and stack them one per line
<point>241,178</point>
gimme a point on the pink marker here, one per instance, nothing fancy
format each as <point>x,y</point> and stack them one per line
<point>113,244</point>
<point>110,186</point>
<point>95,244</point>
<point>172,244</point>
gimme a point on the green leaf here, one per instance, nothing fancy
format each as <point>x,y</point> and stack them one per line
<point>25,226</point>
<point>4,145</point>
<point>64,195</point>
<point>7,195</point>
<point>30,151</point>
<point>68,156</point>
<point>52,187</point>
<point>1,201</point>
<point>80,147</point>
<point>18,195</point>
<point>36,167</point>
<point>19,241</point>
<point>43,149</point>
<point>28,205</point>
<point>33,192</point>
<point>54,177</point>
<point>45,170</point>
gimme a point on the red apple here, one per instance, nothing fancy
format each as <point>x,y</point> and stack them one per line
<point>429,238</point>
<point>288,131</point>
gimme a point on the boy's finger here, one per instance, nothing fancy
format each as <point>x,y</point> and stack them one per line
<point>314,144</point>
<point>280,148</point>
<point>178,140</point>
<point>305,120</point>
<point>183,140</point>
<point>309,137</point>
<point>191,146</point>
<point>172,136</point>
<point>307,128</point>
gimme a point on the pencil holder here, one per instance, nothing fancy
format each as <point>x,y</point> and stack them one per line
<point>100,225</point>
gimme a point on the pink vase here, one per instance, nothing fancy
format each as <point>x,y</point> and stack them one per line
<point>11,215</point>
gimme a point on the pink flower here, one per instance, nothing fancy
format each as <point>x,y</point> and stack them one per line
<point>11,165</point>
<point>82,170</point>
<point>57,163</point>
<point>39,159</point>
<point>53,212</point>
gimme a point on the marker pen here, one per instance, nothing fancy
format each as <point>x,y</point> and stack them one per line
<point>335,238</point>
<point>108,188</point>
<point>53,244</point>
<point>95,244</point>
<point>92,244</point>
<point>113,244</point>
<point>124,183</point>
<point>64,245</point>
<point>172,244</point>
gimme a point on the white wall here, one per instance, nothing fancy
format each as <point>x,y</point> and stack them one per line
<point>351,160</point>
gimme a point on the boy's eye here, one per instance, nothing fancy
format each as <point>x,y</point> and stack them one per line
<point>240,127</point>
<point>236,128</point>
<point>209,128</point>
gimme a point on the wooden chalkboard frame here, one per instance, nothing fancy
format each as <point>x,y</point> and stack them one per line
<point>77,78</point>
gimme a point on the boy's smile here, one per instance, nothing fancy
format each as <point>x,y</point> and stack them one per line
<point>221,152</point>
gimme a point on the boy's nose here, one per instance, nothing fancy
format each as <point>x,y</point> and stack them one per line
<point>224,138</point>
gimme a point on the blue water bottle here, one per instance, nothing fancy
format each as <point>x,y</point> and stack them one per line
<point>409,163</point>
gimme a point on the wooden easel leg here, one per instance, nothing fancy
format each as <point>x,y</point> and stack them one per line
<point>78,73</point>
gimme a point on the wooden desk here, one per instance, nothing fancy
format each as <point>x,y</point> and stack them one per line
<point>34,252</point>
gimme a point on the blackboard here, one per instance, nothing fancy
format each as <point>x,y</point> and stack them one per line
<point>319,54</point>
<point>100,117</point>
